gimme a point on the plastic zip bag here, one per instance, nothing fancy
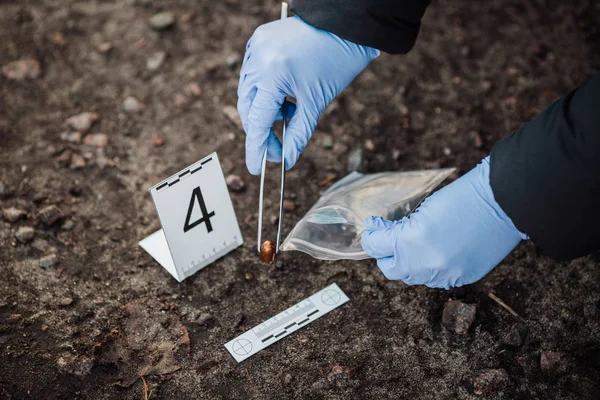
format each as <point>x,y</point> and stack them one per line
<point>332,228</point>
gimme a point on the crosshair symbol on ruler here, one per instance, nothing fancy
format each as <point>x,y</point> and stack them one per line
<point>330,297</point>
<point>242,347</point>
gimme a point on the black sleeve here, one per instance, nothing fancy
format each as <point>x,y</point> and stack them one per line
<point>387,25</point>
<point>546,175</point>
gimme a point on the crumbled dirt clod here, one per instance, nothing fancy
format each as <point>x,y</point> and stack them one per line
<point>339,372</point>
<point>288,205</point>
<point>458,316</point>
<point>22,69</point>
<point>99,140</point>
<point>72,137</point>
<point>515,335</point>
<point>489,381</point>
<point>77,162</point>
<point>25,234</point>
<point>49,215</point>
<point>162,20</point>
<point>553,363</point>
<point>48,261</point>
<point>13,214</point>
<point>82,122</point>
<point>203,318</point>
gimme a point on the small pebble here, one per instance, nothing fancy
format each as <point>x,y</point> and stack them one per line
<point>132,105</point>
<point>82,122</point>
<point>77,162</point>
<point>22,69</point>
<point>338,371</point>
<point>203,318</point>
<point>232,60</point>
<point>157,141</point>
<point>194,89</point>
<point>13,214</point>
<point>180,100</point>
<point>25,234</point>
<point>3,189</point>
<point>235,183</point>
<point>356,161</point>
<point>99,140</point>
<point>326,141</point>
<point>340,149</point>
<point>287,379</point>
<point>48,261</point>
<point>274,219</point>
<point>66,301</point>
<point>59,39</point>
<point>369,145</point>
<point>105,47</point>
<point>162,20</point>
<point>68,225</point>
<point>49,215</point>
<point>249,276</point>
<point>476,139</point>
<point>490,380</point>
<point>289,205</point>
<point>156,60</point>
<point>447,151</point>
<point>458,316</point>
<point>72,137</point>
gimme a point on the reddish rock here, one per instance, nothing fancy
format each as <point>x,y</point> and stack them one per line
<point>99,140</point>
<point>82,122</point>
<point>13,214</point>
<point>23,69</point>
<point>235,183</point>
<point>157,141</point>
<point>458,316</point>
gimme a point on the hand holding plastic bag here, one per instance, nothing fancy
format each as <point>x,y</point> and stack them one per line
<point>332,228</point>
<point>454,238</point>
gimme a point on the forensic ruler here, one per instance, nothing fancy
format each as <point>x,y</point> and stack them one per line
<point>287,322</point>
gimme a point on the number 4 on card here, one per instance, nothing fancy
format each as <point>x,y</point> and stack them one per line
<point>197,217</point>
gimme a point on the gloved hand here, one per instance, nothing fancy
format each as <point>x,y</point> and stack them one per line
<point>292,58</point>
<point>454,238</point>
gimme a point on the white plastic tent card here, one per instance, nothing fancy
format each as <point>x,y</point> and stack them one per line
<point>197,217</point>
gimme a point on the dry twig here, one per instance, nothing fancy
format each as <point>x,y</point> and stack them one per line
<point>146,393</point>
<point>503,304</point>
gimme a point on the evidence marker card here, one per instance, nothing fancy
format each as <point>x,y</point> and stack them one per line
<point>287,322</point>
<point>197,217</point>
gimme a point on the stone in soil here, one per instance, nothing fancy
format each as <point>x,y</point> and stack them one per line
<point>82,122</point>
<point>13,214</point>
<point>289,205</point>
<point>232,114</point>
<point>232,60</point>
<point>156,60</point>
<point>132,105</point>
<point>553,363</point>
<point>476,139</point>
<point>490,380</point>
<point>77,162</point>
<point>20,70</point>
<point>203,318</point>
<point>180,100</point>
<point>356,161</point>
<point>99,140</point>
<point>369,145</point>
<point>515,336</point>
<point>458,316</point>
<point>66,301</point>
<point>162,20</point>
<point>194,89</point>
<point>49,215</point>
<point>235,183</point>
<point>72,137</point>
<point>326,141</point>
<point>25,234</point>
<point>48,261</point>
<point>339,149</point>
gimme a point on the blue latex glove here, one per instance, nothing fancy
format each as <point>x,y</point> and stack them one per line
<point>454,238</point>
<point>292,58</point>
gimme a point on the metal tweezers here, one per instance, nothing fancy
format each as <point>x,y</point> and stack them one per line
<point>284,14</point>
<point>262,187</point>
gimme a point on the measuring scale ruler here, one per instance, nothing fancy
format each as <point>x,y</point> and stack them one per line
<point>287,322</point>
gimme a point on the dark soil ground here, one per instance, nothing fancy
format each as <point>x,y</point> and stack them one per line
<point>105,314</point>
